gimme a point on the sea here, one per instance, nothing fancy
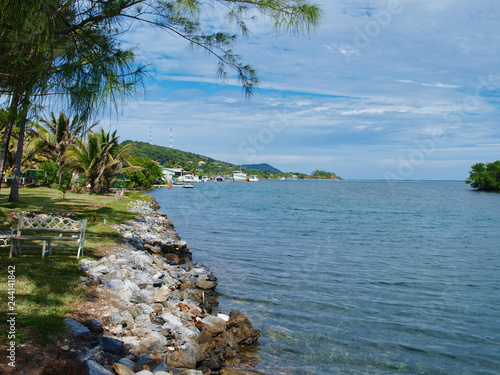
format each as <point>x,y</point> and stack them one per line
<point>352,277</point>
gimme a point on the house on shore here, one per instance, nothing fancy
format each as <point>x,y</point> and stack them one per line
<point>171,173</point>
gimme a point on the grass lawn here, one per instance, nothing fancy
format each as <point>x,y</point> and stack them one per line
<point>47,289</point>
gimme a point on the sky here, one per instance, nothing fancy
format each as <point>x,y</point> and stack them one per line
<point>398,89</point>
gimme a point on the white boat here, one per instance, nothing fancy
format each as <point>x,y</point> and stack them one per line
<point>253,178</point>
<point>219,178</point>
<point>239,176</point>
<point>205,179</point>
<point>186,179</point>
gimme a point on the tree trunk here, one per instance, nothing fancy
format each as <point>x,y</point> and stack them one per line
<point>61,175</point>
<point>23,118</point>
<point>4,148</point>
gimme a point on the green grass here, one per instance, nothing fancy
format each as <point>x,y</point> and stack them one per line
<point>46,290</point>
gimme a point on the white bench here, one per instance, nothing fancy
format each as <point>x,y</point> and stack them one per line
<point>5,237</point>
<point>45,228</point>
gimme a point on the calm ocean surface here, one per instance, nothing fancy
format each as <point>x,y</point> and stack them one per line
<point>353,277</point>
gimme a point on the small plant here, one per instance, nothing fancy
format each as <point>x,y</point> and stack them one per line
<point>77,189</point>
<point>63,189</point>
<point>93,217</point>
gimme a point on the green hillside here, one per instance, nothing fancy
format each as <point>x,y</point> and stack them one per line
<point>190,161</point>
<point>203,165</point>
<point>174,158</point>
<point>261,167</point>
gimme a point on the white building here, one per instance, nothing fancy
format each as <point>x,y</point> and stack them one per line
<point>169,173</point>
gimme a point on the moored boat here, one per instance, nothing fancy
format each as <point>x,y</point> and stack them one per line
<point>239,176</point>
<point>253,178</point>
<point>186,179</point>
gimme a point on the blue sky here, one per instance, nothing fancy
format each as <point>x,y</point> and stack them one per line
<point>384,90</point>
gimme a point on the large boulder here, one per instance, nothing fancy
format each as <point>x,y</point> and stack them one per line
<point>111,345</point>
<point>214,325</point>
<point>77,328</point>
<point>239,325</point>
<point>163,293</point>
<point>139,297</point>
<point>183,357</point>
<point>94,368</point>
<point>143,279</point>
<point>122,369</point>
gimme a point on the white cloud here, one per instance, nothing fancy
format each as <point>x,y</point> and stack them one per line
<point>430,84</point>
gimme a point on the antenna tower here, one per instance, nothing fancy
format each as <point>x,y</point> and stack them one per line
<point>171,139</point>
<point>150,136</point>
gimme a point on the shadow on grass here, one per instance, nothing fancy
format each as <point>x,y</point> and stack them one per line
<point>80,206</point>
<point>45,289</point>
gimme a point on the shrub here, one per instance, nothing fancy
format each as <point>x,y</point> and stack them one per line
<point>151,174</point>
<point>485,176</point>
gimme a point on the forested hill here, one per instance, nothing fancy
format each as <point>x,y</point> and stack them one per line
<point>168,157</point>
<point>190,161</point>
<point>207,166</point>
<point>261,167</point>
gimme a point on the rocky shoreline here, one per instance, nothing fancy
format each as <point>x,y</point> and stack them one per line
<point>160,320</point>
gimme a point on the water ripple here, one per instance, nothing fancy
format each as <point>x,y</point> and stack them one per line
<point>353,277</point>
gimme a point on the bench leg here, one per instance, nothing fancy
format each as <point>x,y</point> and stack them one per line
<point>80,250</point>
<point>14,247</point>
<point>46,248</point>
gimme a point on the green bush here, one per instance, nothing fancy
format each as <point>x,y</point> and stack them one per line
<point>151,174</point>
<point>485,176</point>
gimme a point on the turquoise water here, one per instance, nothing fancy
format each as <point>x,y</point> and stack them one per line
<point>353,277</point>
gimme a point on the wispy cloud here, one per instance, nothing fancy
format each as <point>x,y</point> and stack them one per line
<point>430,84</point>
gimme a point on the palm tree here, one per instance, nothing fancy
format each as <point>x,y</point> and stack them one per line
<point>56,134</point>
<point>100,158</point>
<point>118,164</point>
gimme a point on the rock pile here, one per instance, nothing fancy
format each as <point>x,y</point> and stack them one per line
<point>153,232</point>
<point>162,322</point>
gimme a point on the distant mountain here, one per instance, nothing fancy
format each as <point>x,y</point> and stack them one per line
<point>264,167</point>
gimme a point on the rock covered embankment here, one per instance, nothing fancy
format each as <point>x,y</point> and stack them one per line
<point>162,321</point>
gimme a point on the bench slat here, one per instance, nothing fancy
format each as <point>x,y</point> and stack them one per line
<point>44,238</point>
<point>50,230</point>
